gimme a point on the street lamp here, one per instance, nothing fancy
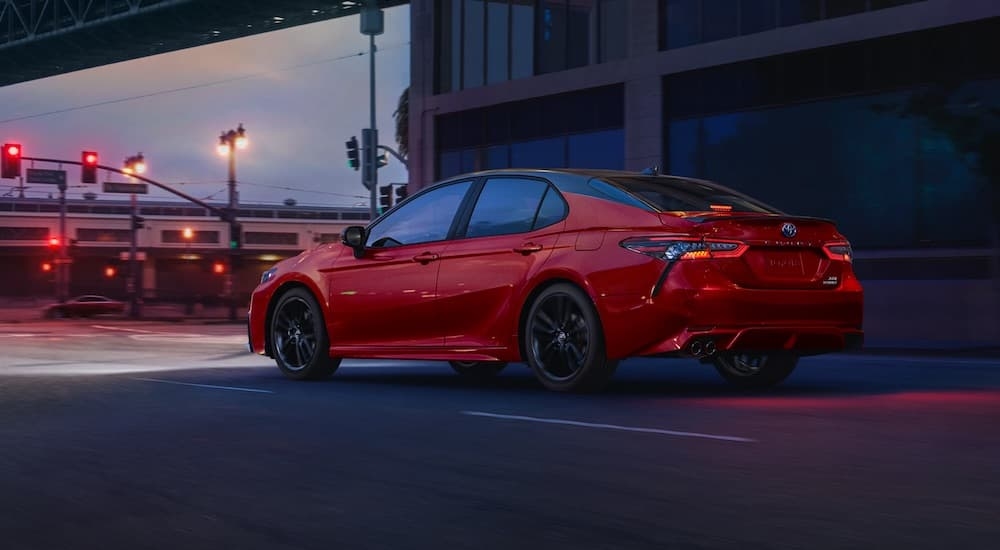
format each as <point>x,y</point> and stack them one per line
<point>229,142</point>
<point>135,164</point>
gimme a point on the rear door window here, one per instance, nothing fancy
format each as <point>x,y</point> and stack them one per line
<point>509,205</point>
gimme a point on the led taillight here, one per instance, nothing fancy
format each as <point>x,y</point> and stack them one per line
<point>839,251</point>
<point>672,249</point>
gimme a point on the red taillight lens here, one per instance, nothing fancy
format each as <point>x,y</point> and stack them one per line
<point>672,248</point>
<point>839,251</point>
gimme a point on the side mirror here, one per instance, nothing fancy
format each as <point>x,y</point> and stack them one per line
<point>354,237</point>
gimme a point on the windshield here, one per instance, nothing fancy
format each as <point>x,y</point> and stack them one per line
<point>670,194</point>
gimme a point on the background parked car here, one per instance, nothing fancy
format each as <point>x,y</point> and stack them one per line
<point>85,306</point>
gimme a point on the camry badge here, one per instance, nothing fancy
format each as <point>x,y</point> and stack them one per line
<point>789,230</point>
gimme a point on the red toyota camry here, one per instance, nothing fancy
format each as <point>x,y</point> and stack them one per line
<point>569,271</point>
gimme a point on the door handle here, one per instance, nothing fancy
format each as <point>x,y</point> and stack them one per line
<point>528,248</point>
<point>425,258</point>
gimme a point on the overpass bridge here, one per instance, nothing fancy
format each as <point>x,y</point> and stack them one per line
<point>41,38</point>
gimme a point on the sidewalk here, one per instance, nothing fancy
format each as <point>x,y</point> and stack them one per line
<point>31,309</point>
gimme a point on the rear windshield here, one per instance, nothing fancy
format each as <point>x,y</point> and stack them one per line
<point>670,194</point>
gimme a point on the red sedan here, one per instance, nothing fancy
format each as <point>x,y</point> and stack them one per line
<point>569,271</point>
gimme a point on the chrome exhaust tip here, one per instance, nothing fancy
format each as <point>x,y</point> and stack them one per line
<point>696,348</point>
<point>709,347</point>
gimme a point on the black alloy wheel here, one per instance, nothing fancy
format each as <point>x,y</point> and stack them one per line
<point>755,370</point>
<point>477,369</point>
<point>299,338</point>
<point>564,341</point>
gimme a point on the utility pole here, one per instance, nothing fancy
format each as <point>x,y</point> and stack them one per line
<point>62,264</point>
<point>133,286</point>
<point>372,23</point>
<point>229,142</point>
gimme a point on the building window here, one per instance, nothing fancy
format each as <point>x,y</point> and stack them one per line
<point>14,233</point>
<point>176,236</point>
<point>489,41</point>
<point>270,237</point>
<point>522,48</point>
<point>497,41</point>
<point>689,22</point>
<point>898,160</point>
<point>579,130</point>
<point>104,235</point>
<point>473,43</point>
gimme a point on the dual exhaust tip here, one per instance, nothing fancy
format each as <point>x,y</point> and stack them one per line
<point>702,347</point>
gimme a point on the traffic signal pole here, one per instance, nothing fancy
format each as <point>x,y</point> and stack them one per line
<point>62,264</point>
<point>62,261</point>
<point>372,23</point>
<point>132,286</point>
<point>234,228</point>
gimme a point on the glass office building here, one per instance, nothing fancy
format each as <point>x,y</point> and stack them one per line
<point>883,115</point>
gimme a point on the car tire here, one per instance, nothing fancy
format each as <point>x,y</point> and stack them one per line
<point>564,341</point>
<point>477,370</point>
<point>755,370</point>
<point>299,338</point>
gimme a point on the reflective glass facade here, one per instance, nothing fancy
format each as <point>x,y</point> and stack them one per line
<point>582,129</point>
<point>688,22</point>
<point>481,42</point>
<point>897,139</point>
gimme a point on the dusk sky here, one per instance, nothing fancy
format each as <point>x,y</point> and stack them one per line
<point>300,92</point>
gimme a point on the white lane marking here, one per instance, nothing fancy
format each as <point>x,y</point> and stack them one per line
<point>123,329</point>
<point>611,427</point>
<point>209,386</point>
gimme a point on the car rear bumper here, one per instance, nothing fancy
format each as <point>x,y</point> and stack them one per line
<point>697,322</point>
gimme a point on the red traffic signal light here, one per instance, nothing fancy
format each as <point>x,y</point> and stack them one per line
<point>53,242</point>
<point>11,160</point>
<point>88,167</point>
<point>218,268</point>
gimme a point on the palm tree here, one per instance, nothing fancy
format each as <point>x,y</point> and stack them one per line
<point>402,116</point>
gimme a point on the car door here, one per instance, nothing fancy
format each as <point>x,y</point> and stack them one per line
<point>386,298</point>
<point>508,235</point>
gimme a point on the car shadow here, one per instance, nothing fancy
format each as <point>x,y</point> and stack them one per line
<point>682,383</point>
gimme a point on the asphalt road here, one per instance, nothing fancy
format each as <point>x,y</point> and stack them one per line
<point>116,434</point>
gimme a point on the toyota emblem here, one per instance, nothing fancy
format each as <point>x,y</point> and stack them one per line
<point>789,230</point>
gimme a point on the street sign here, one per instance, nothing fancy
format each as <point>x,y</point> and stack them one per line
<point>38,175</point>
<point>121,187</point>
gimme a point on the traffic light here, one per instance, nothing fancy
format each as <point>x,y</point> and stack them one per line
<point>383,159</point>
<point>218,268</point>
<point>401,193</point>
<point>235,235</point>
<point>110,271</point>
<point>11,160</point>
<point>88,167</point>
<point>353,160</point>
<point>138,222</point>
<point>385,197</point>
<point>53,243</point>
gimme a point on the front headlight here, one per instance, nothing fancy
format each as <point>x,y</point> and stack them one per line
<point>268,275</point>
